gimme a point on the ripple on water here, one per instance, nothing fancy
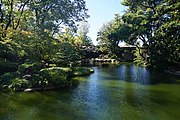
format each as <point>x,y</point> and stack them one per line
<point>123,92</point>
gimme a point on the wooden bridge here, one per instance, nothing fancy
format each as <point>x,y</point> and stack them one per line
<point>104,60</point>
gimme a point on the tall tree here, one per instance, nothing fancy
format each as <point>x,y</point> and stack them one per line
<point>152,23</point>
<point>27,27</point>
<point>47,15</point>
<point>109,38</point>
<point>83,30</point>
<point>11,13</point>
<point>50,15</point>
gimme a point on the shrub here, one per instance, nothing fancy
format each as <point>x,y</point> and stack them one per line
<point>6,66</point>
<point>6,78</point>
<point>55,76</point>
<point>18,84</point>
<point>29,67</point>
<point>82,71</point>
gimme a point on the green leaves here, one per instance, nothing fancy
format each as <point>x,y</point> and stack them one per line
<point>52,14</point>
<point>55,76</point>
<point>28,37</point>
<point>66,54</point>
<point>109,37</point>
<point>155,24</point>
<point>82,32</point>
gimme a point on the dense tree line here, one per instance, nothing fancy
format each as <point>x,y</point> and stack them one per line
<point>152,26</point>
<point>38,34</point>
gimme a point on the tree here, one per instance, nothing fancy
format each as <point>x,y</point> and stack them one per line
<point>109,38</point>
<point>83,30</point>
<point>50,15</point>
<point>11,14</point>
<point>29,42</point>
<point>68,35</point>
<point>154,24</point>
<point>167,40</point>
<point>28,27</point>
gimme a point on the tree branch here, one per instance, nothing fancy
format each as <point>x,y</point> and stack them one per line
<point>10,15</point>
<point>57,27</point>
<point>22,10</point>
<point>141,54</point>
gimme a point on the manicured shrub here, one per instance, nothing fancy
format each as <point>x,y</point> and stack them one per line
<point>55,76</point>
<point>82,71</point>
<point>6,78</point>
<point>6,66</point>
<point>18,84</point>
<point>29,67</point>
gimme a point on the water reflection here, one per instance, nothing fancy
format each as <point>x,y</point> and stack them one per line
<point>108,94</point>
<point>128,73</point>
<point>123,92</point>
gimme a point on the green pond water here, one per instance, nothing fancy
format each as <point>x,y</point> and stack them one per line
<point>121,92</point>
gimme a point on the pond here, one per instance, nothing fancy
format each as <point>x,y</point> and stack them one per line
<point>113,92</point>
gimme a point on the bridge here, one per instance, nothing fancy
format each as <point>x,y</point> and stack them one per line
<point>104,60</point>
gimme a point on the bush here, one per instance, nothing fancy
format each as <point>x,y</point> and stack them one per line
<point>29,67</point>
<point>6,66</point>
<point>82,71</point>
<point>6,78</point>
<point>18,84</point>
<point>55,76</point>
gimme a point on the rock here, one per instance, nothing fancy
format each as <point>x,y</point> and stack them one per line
<point>26,77</point>
<point>28,90</point>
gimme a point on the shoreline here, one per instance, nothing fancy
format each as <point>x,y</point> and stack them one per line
<point>176,73</point>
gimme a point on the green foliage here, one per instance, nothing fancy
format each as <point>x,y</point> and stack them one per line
<point>139,60</point>
<point>82,34</point>
<point>6,78</point>
<point>67,36</point>
<point>11,14</point>
<point>109,38</point>
<point>66,54</point>
<point>82,71</point>
<point>8,48</point>
<point>51,14</point>
<point>41,15</point>
<point>28,40</point>
<point>155,25</point>
<point>18,84</point>
<point>55,76</point>
<point>6,66</point>
<point>149,25</point>
<point>29,68</point>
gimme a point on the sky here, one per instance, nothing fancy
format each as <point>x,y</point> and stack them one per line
<point>101,12</point>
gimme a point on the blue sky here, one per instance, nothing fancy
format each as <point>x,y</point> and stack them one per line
<point>102,11</point>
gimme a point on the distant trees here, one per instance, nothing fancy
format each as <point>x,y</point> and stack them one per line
<point>155,24</point>
<point>108,38</point>
<point>82,32</point>
<point>153,27</point>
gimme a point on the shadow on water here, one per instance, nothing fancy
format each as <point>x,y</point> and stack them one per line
<point>135,74</point>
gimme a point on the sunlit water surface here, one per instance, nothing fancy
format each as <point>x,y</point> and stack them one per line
<point>123,92</point>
